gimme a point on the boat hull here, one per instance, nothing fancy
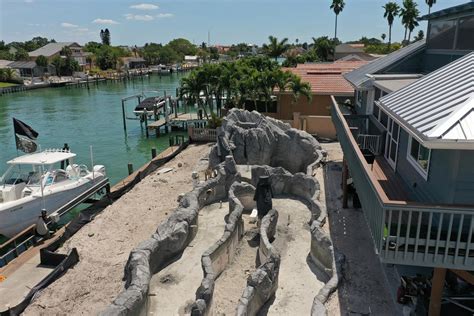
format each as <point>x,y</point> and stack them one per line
<point>16,218</point>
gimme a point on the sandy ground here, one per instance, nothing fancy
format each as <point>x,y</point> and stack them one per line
<point>173,289</point>
<point>105,243</point>
<point>298,281</point>
<point>232,281</point>
<point>364,289</point>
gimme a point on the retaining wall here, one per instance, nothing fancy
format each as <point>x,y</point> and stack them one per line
<point>169,240</point>
<point>322,252</point>
<point>217,257</point>
<point>263,283</point>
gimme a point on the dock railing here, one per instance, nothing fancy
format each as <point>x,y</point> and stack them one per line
<point>202,134</point>
<point>407,232</point>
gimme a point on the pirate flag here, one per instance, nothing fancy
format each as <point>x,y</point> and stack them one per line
<point>25,136</point>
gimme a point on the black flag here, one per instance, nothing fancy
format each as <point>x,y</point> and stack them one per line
<point>25,136</point>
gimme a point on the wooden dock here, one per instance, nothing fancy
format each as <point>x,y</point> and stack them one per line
<point>180,117</point>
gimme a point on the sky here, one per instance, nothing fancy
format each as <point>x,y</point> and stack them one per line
<point>227,21</point>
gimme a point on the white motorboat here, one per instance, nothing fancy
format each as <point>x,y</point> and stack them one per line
<point>36,182</point>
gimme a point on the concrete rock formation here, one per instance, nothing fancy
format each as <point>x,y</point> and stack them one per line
<point>255,139</point>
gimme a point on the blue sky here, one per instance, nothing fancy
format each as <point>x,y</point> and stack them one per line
<point>229,21</point>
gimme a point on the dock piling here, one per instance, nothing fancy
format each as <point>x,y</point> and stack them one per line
<point>130,168</point>
<point>153,152</point>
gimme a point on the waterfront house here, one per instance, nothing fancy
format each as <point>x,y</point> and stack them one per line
<point>133,62</point>
<point>352,52</point>
<point>27,69</point>
<point>52,50</point>
<point>409,145</point>
<point>326,80</point>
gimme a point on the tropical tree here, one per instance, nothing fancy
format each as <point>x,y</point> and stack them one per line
<point>105,36</point>
<point>409,13</point>
<point>430,4</point>
<point>324,47</point>
<point>337,6</point>
<point>420,35</point>
<point>21,54</point>
<point>7,75</point>
<point>383,37</point>
<point>42,61</point>
<point>391,11</point>
<point>275,48</point>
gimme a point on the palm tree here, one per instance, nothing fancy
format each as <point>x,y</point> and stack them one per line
<point>324,47</point>
<point>413,21</point>
<point>275,48</point>
<point>337,6</point>
<point>299,88</point>
<point>430,4</point>
<point>391,11</point>
<point>192,86</point>
<point>409,13</point>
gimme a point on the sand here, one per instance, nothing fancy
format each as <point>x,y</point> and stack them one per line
<point>230,284</point>
<point>298,281</point>
<point>173,289</point>
<point>105,243</point>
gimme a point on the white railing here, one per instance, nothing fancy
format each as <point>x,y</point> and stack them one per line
<point>202,134</point>
<point>370,142</point>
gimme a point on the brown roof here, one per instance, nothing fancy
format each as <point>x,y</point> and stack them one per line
<point>326,78</point>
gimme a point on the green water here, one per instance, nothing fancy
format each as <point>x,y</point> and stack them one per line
<point>83,117</point>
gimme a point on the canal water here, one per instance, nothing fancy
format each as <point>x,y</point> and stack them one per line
<point>84,117</point>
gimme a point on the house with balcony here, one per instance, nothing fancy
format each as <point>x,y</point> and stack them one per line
<point>52,50</point>
<point>409,146</point>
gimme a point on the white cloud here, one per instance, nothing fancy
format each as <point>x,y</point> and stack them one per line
<point>69,25</point>
<point>28,1</point>
<point>139,17</point>
<point>104,21</point>
<point>83,29</point>
<point>165,15</point>
<point>144,6</point>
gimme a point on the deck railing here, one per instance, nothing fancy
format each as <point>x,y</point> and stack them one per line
<point>370,142</point>
<point>202,134</point>
<point>406,232</point>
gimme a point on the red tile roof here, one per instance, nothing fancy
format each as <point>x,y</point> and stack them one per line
<point>326,78</point>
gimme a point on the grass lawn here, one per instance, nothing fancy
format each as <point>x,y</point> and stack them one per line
<point>7,84</point>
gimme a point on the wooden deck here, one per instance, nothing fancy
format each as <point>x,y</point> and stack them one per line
<point>391,183</point>
<point>181,117</point>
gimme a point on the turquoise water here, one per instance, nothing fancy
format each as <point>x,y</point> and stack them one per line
<point>82,117</point>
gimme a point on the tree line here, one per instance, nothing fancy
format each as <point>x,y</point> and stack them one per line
<point>244,83</point>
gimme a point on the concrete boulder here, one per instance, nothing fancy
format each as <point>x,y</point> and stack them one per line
<point>255,139</point>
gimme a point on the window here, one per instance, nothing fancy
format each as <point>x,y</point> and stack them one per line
<point>465,34</point>
<point>419,156</point>
<point>359,97</point>
<point>376,111</point>
<point>383,118</point>
<point>442,34</point>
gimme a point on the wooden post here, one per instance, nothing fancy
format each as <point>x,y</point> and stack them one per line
<point>437,286</point>
<point>130,168</point>
<point>345,172</point>
<point>146,123</point>
<point>123,117</point>
<point>153,152</point>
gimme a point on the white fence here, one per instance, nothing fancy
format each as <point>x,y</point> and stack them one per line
<point>202,134</point>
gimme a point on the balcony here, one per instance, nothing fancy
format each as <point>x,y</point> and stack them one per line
<point>403,231</point>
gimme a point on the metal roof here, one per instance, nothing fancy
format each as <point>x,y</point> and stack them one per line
<point>392,85</point>
<point>22,64</point>
<point>42,158</point>
<point>438,106</point>
<point>358,76</point>
<point>466,7</point>
<point>50,49</point>
<point>4,63</point>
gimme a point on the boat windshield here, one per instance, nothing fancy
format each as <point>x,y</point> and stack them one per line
<point>21,174</point>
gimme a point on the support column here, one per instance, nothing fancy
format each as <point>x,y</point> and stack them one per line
<point>345,176</point>
<point>296,120</point>
<point>437,285</point>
